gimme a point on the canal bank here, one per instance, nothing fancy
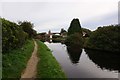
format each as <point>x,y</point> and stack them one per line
<point>48,67</point>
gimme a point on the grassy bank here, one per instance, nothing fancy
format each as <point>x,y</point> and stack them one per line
<point>48,67</point>
<point>15,61</point>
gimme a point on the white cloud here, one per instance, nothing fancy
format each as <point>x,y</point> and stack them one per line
<point>52,15</point>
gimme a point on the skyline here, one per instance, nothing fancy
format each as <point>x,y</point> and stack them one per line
<point>56,15</point>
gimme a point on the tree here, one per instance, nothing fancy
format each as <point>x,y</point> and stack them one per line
<point>87,31</point>
<point>74,36</point>
<point>63,31</point>
<point>28,28</point>
<point>12,35</point>
<point>105,38</point>
<point>75,27</point>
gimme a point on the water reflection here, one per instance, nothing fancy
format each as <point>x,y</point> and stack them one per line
<point>105,60</point>
<point>74,53</point>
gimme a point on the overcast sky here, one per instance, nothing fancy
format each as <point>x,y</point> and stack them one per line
<point>54,15</point>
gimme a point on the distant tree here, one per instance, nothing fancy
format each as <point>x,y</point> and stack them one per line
<point>74,36</point>
<point>28,28</point>
<point>63,31</point>
<point>34,33</point>
<point>75,27</point>
<point>41,36</point>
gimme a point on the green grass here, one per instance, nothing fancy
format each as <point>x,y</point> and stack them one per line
<point>48,67</point>
<point>15,61</point>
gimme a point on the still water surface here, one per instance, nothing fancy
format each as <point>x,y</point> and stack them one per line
<point>80,63</point>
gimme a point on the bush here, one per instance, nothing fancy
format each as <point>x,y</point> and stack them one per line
<point>15,61</point>
<point>75,27</point>
<point>87,31</point>
<point>74,36</point>
<point>12,35</point>
<point>28,28</point>
<point>75,39</point>
<point>105,38</point>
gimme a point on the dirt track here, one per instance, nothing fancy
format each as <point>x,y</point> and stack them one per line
<point>31,68</point>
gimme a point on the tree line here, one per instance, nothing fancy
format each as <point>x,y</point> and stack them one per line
<point>105,38</point>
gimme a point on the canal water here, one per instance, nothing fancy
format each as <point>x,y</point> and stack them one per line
<point>81,63</point>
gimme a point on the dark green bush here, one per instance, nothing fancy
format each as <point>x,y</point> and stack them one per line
<point>75,40</point>
<point>75,27</point>
<point>87,31</point>
<point>28,28</point>
<point>74,36</point>
<point>12,35</point>
<point>105,38</point>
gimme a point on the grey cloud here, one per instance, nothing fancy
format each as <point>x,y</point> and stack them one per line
<point>109,19</point>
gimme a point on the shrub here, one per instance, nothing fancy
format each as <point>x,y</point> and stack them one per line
<point>12,35</point>
<point>105,38</point>
<point>74,36</point>
<point>74,27</point>
<point>75,39</point>
<point>28,28</point>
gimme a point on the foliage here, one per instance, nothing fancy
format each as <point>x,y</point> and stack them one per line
<point>28,28</point>
<point>48,67</point>
<point>74,36</point>
<point>58,38</point>
<point>41,37</point>
<point>75,40</point>
<point>74,27</point>
<point>63,31</point>
<point>15,61</point>
<point>87,31</point>
<point>12,35</point>
<point>105,38</point>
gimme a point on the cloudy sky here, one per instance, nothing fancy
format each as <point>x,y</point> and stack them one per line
<point>54,15</point>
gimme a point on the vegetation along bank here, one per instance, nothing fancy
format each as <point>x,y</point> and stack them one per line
<point>105,38</point>
<point>17,47</point>
<point>48,67</point>
<point>14,62</point>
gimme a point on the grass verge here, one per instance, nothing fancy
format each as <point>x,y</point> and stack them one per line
<point>16,60</point>
<point>48,67</point>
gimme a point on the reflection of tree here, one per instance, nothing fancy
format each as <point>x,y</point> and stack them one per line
<point>107,60</point>
<point>74,53</point>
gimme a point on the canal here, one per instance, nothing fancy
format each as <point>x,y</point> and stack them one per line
<point>81,63</point>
